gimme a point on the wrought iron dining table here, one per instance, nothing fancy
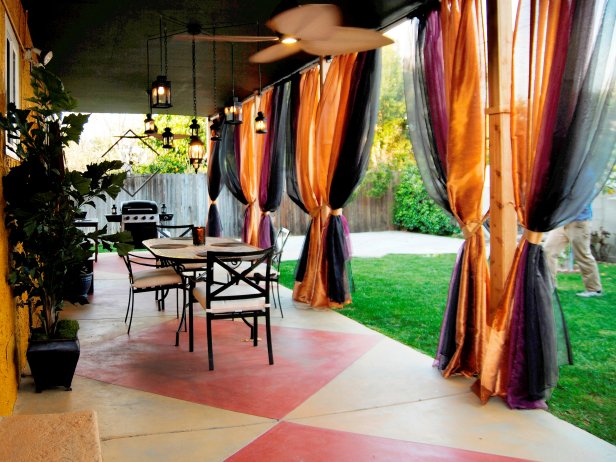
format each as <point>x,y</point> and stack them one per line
<point>181,250</point>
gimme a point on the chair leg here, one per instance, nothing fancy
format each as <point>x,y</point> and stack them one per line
<point>130,291</point>
<point>132,307</point>
<point>278,296</point>
<point>182,320</point>
<point>164,294</point>
<point>268,337</point>
<point>210,353</point>
<point>255,330</point>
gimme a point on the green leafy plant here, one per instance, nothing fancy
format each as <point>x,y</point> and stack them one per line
<point>391,149</point>
<point>415,211</point>
<point>47,250</point>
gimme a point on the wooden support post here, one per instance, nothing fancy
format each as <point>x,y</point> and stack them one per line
<point>503,219</point>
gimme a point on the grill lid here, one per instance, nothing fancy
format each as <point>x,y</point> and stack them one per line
<point>129,207</point>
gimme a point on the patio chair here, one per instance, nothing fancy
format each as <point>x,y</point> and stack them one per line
<point>175,231</point>
<point>274,278</point>
<point>228,293</point>
<point>156,279</point>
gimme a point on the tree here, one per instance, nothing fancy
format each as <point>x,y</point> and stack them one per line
<point>174,160</point>
<point>391,150</point>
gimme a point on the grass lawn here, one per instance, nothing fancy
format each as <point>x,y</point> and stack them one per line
<point>403,297</point>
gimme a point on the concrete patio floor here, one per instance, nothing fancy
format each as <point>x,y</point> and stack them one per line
<point>338,391</point>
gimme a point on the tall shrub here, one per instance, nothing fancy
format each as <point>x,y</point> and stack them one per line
<point>415,211</point>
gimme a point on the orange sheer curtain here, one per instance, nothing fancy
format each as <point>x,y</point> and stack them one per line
<point>531,76</point>
<point>307,178</point>
<point>250,166</point>
<point>464,66</point>
<point>320,131</point>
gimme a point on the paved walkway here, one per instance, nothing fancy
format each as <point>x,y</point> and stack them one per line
<point>338,391</point>
<point>385,242</point>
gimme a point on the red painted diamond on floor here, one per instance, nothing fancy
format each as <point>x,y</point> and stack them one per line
<point>289,441</point>
<point>243,381</point>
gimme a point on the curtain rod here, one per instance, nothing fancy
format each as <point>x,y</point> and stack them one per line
<point>304,68</point>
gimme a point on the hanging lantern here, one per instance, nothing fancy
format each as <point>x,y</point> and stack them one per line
<point>233,112</point>
<point>167,138</point>
<point>150,126</point>
<point>260,123</point>
<point>215,129</point>
<point>161,93</point>
<point>196,148</point>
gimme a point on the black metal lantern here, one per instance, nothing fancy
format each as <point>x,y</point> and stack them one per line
<point>233,112</point>
<point>167,138</point>
<point>196,152</point>
<point>196,148</point>
<point>161,93</point>
<point>260,123</point>
<point>215,129</point>
<point>150,125</point>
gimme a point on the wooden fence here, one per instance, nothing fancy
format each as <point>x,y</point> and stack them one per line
<point>186,197</point>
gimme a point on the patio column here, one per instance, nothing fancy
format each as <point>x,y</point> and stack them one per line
<point>503,220</point>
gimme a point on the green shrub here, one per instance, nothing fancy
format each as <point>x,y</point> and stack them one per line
<point>415,211</point>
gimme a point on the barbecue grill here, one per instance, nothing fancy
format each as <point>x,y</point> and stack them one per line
<point>140,218</point>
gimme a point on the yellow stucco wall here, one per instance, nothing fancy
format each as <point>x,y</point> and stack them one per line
<point>13,324</point>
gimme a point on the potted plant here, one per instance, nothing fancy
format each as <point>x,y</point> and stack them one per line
<point>43,199</point>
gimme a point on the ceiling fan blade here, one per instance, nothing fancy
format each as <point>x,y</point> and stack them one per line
<point>226,38</point>
<point>275,52</point>
<point>307,22</point>
<point>346,40</point>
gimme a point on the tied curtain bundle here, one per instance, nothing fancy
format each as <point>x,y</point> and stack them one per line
<point>563,138</point>
<point>444,70</point>
<point>251,155</point>
<point>231,161</point>
<point>334,134</point>
<point>275,146</point>
<point>214,187</point>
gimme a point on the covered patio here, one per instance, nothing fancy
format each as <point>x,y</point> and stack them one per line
<point>337,391</point>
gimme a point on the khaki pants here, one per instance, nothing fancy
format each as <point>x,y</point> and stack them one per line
<point>578,234</point>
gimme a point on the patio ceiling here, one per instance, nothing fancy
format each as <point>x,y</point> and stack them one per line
<point>99,47</point>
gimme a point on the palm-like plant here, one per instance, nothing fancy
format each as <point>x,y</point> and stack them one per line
<point>47,250</point>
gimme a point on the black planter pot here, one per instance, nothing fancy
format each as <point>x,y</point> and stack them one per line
<point>84,287</point>
<point>53,362</point>
<point>81,289</point>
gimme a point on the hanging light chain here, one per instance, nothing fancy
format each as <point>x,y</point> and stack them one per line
<point>232,74</point>
<point>160,41</point>
<point>214,76</point>
<point>194,77</point>
<point>166,62</point>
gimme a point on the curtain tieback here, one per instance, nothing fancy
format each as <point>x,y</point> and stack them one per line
<point>533,237</point>
<point>472,227</point>
<point>337,212</point>
<point>315,211</point>
<point>212,202</point>
<point>265,212</point>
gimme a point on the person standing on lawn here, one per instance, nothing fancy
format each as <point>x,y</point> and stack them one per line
<point>578,234</point>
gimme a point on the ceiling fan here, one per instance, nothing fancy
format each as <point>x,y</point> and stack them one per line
<point>313,28</point>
